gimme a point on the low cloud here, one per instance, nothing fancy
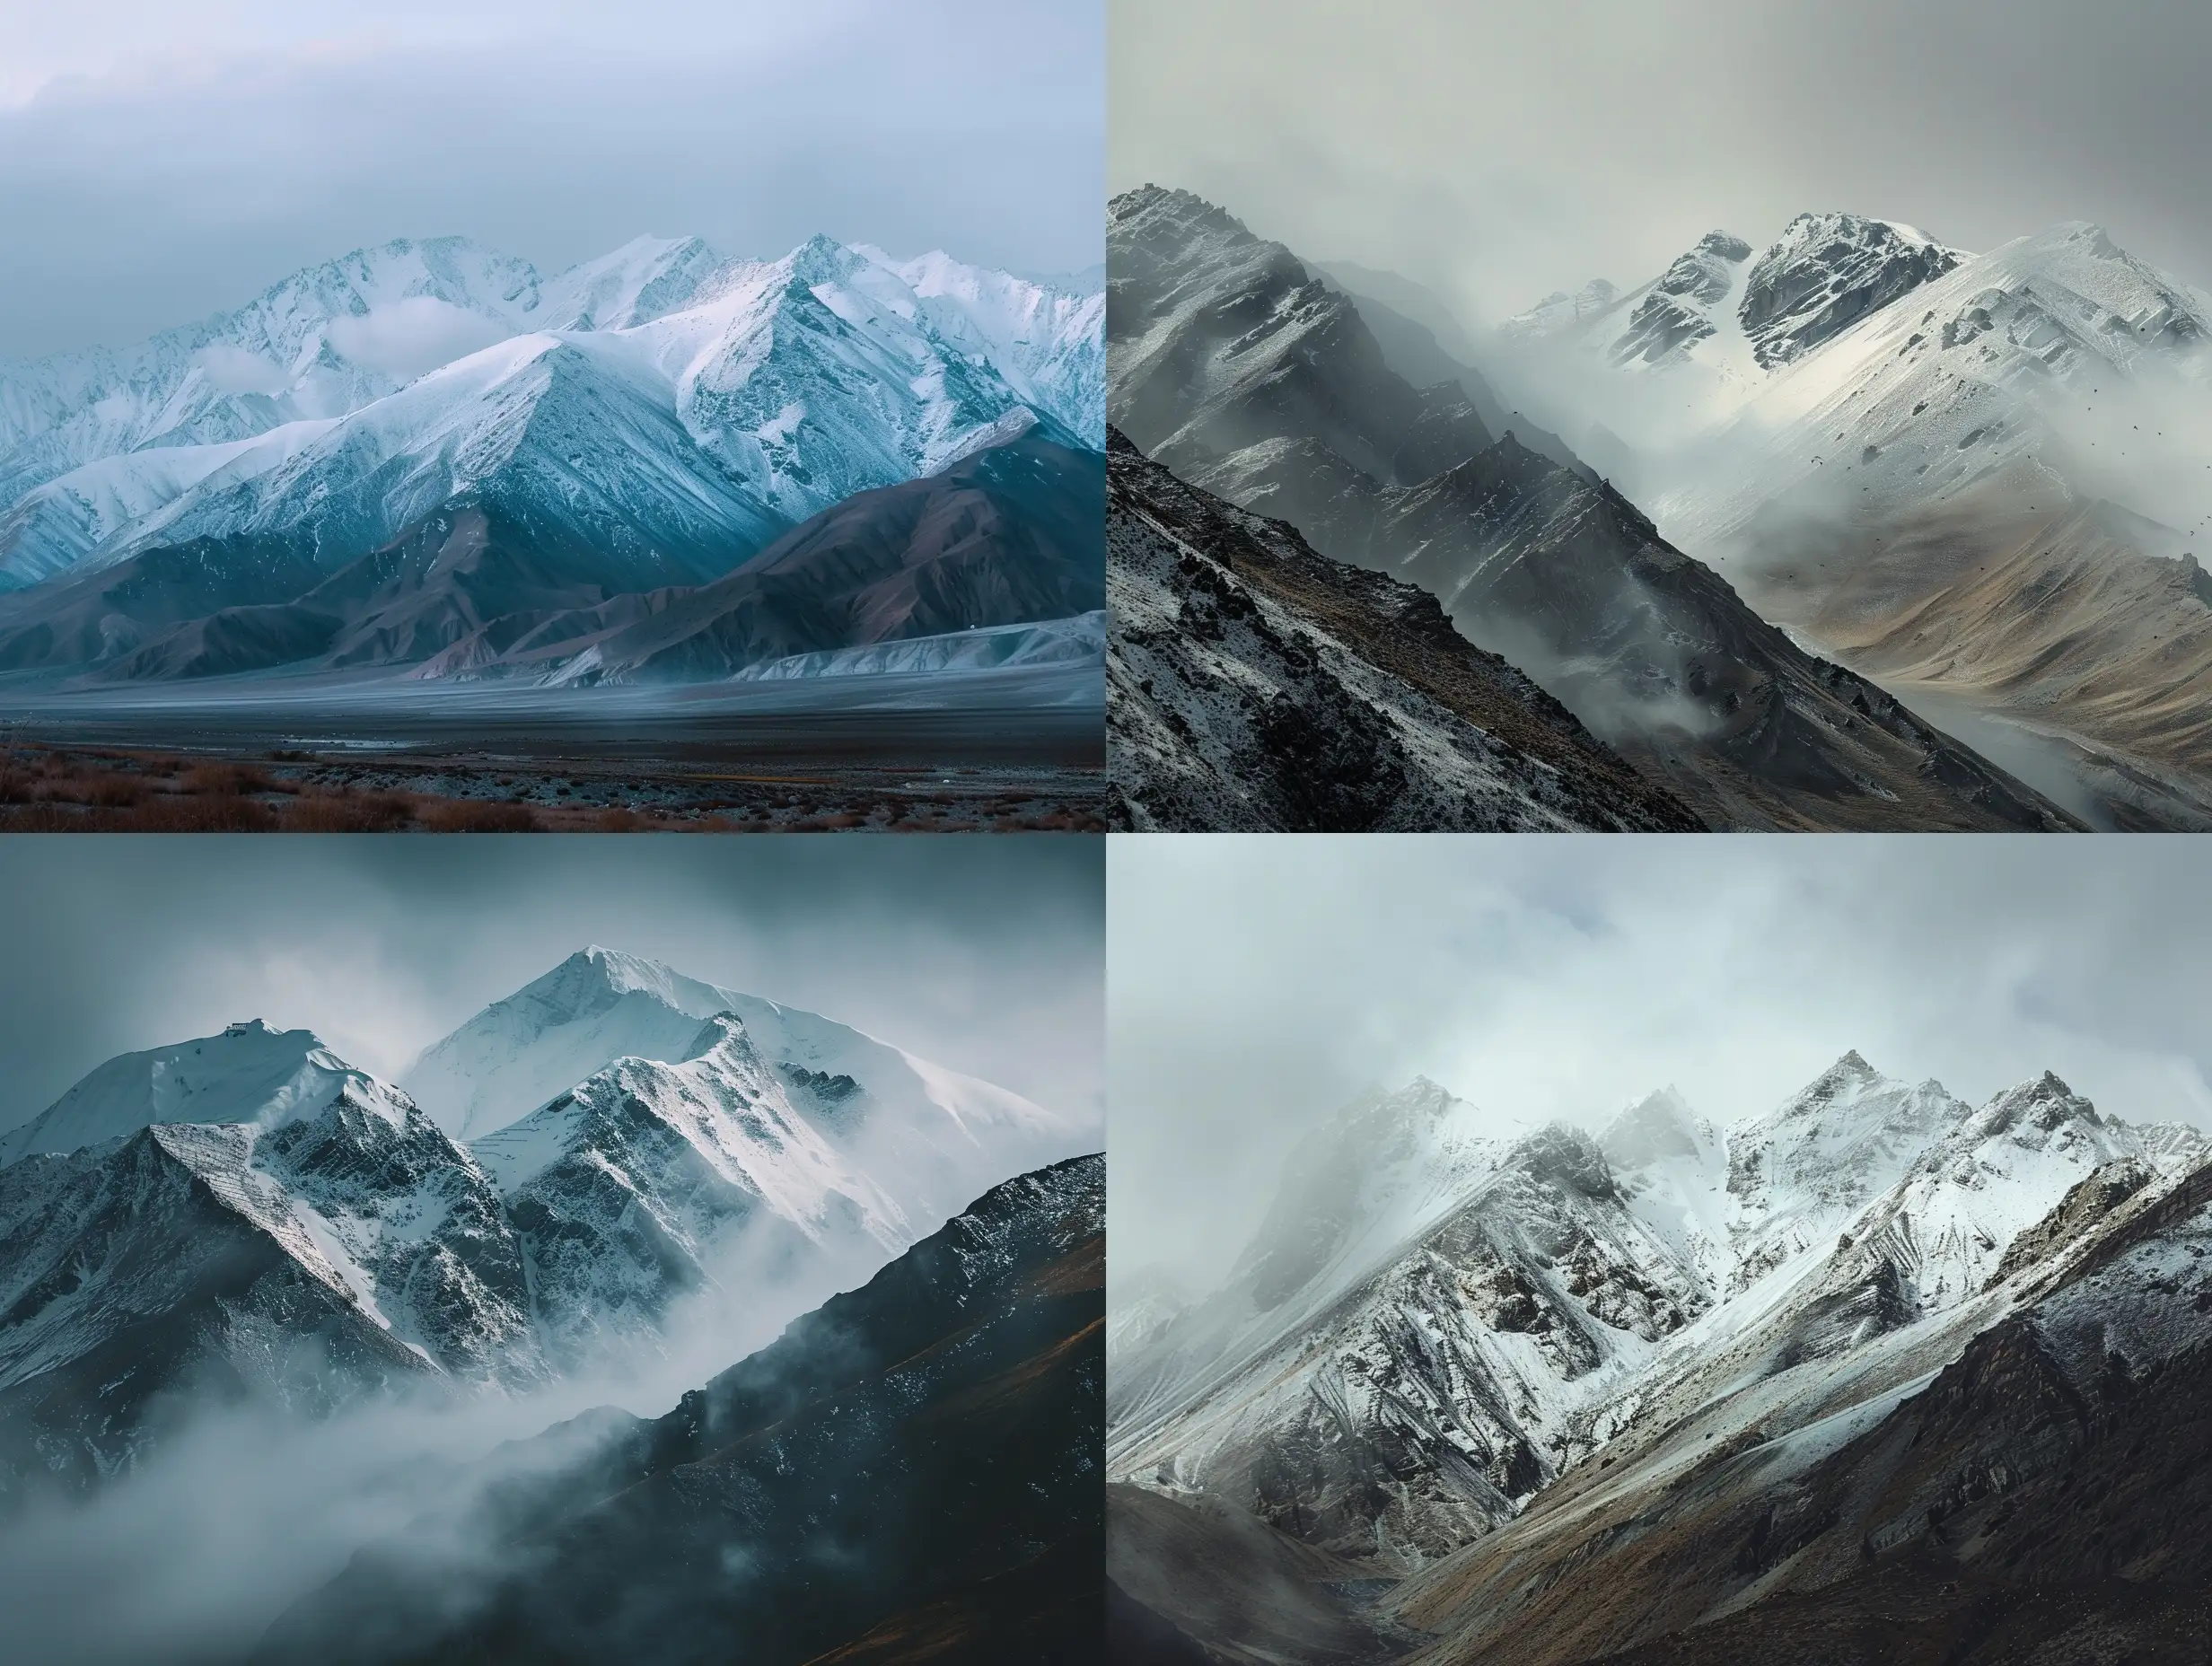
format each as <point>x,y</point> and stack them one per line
<point>234,370</point>
<point>410,337</point>
<point>1256,985</point>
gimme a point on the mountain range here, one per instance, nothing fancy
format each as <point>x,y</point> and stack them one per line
<point>1978,477</point>
<point>425,455</point>
<point>1484,1392</point>
<point>1242,373</point>
<point>246,1218</point>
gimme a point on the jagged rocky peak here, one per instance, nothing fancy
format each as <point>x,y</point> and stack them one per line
<point>1825,272</point>
<point>1797,1173</point>
<point>1845,1106</point>
<point>1156,208</point>
<point>1676,312</point>
<point>1168,244</point>
<point>2045,1103</point>
<point>1659,1127</point>
<point>1394,1124</point>
<point>1850,1069</point>
<point>1704,274</point>
<point>1567,1157</point>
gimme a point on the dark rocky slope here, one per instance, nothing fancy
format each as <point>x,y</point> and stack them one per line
<point>487,587</point>
<point>913,1471</point>
<point>1252,683</point>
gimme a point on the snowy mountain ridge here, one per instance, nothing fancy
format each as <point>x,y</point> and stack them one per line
<point>804,379</point>
<point>250,1210</point>
<point>1571,1290</point>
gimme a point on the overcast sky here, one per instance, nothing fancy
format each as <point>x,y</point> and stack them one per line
<point>984,954</point>
<point>1499,152</point>
<point>160,162</point>
<point>1257,984</point>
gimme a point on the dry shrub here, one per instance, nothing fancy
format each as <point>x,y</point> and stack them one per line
<point>226,780</point>
<point>110,792</point>
<point>618,820</point>
<point>220,814</point>
<point>40,818</point>
<point>344,812</point>
<point>466,815</point>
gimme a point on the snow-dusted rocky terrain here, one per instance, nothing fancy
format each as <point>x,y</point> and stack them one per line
<point>1245,375</point>
<point>1254,684</point>
<point>1980,475</point>
<point>648,419</point>
<point>246,1216</point>
<point>1447,1317</point>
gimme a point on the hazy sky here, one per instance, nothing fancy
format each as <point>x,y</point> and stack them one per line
<point>985,954</point>
<point>1501,151</point>
<point>160,162</point>
<point>1256,984</point>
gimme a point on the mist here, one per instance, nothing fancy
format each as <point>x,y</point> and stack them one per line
<point>175,162</point>
<point>242,1509</point>
<point>982,955</point>
<point>1257,985</point>
<point>1498,155</point>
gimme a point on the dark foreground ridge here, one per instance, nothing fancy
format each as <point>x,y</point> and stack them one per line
<point>1253,683</point>
<point>912,1472</point>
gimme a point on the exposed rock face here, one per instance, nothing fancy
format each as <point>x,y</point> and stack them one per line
<point>227,1261</point>
<point>1676,310</point>
<point>1827,272</point>
<point>1253,683</point>
<point>1008,536</point>
<point>934,1437</point>
<point>487,585</point>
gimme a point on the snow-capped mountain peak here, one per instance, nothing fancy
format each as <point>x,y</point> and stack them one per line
<point>1796,1174</point>
<point>1689,348</point>
<point>722,1103</point>
<point>1676,311</point>
<point>646,278</point>
<point>1560,313</point>
<point>247,1074</point>
<point>1583,1290</point>
<point>1825,272</point>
